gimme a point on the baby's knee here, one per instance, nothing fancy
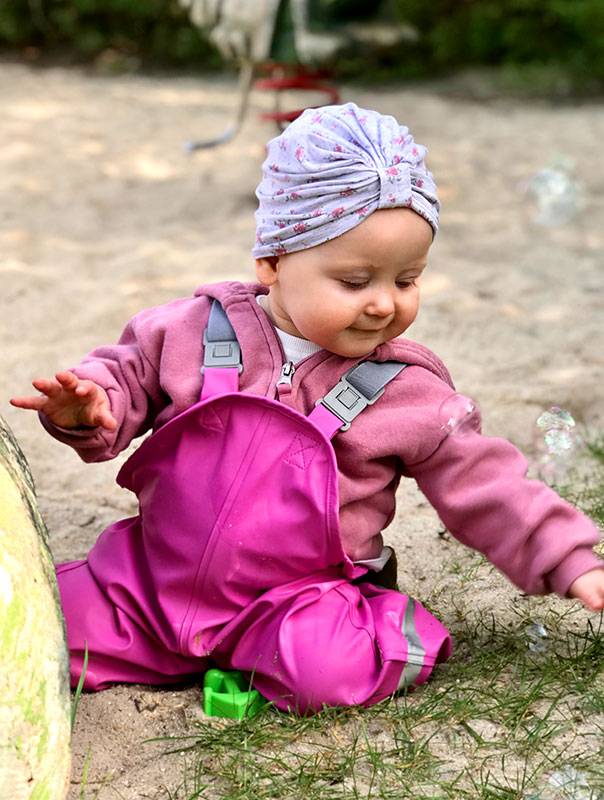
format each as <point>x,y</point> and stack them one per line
<point>322,664</point>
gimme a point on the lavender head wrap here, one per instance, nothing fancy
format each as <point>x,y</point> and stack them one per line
<point>330,169</point>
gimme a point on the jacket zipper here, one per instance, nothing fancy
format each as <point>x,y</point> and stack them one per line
<point>284,384</point>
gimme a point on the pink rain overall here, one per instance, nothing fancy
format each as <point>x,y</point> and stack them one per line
<point>235,559</point>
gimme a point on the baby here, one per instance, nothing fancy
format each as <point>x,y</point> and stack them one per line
<point>284,415</point>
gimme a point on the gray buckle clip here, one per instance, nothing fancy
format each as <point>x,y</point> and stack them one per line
<point>222,353</point>
<point>346,402</point>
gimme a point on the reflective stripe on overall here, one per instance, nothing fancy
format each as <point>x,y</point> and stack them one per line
<point>235,558</point>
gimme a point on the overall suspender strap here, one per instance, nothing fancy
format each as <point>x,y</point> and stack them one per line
<point>221,355</point>
<point>358,388</point>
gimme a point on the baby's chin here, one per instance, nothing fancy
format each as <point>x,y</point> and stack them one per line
<point>359,344</point>
<point>358,351</point>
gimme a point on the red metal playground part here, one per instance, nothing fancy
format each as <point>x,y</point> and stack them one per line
<point>282,79</point>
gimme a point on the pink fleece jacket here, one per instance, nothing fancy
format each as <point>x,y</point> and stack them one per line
<point>477,484</point>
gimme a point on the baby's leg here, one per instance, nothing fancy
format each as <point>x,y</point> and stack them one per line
<point>335,644</point>
<point>119,649</point>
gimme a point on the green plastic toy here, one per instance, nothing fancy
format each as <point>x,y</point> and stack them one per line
<point>228,694</point>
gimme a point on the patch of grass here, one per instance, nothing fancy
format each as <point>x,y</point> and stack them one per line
<point>494,724</point>
<point>97,793</point>
<point>80,686</point>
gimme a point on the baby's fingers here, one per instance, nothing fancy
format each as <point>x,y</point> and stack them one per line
<point>36,403</point>
<point>589,589</point>
<point>94,405</point>
<point>594,600</point>
<point>48,386</point>
<point>67,380</point>
<point>87,391</point>
<point>105,419</point>
<point>83,392</point>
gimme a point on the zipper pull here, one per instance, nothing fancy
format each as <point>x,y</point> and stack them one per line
<point>287,373</point>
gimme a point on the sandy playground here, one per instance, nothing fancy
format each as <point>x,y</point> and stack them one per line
<point>102,214</point>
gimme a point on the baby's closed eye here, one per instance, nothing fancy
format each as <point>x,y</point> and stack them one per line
<point>352,284</point>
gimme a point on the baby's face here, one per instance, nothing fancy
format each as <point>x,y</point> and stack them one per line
<point>355,292</point>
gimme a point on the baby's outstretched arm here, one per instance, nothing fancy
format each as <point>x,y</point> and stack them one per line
<point>589,589</point>
<point>70,402</point>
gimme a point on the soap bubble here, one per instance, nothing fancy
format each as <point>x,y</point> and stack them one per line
<point>571,784</point>
<point>561,442</point>
<point>560,438</point>
<point>565,784</point>
<point>557,197</point>
<point>556,419</point>
<point>536,633</point>
<point>459,415</point>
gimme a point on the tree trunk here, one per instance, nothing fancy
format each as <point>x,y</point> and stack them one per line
<point>34,662</point>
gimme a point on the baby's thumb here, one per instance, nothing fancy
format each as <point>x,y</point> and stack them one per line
<point>106,420</point>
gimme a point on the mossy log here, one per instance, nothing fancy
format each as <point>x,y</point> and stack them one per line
<point>34,662</point>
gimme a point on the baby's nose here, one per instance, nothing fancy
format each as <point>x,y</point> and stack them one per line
<point>381,304</point>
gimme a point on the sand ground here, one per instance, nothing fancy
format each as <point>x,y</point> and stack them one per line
<point>102,214</point>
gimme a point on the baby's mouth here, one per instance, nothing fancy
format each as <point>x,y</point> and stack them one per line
<point>368,330</point>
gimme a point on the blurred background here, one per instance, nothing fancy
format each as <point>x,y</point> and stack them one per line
<point>553,47</point>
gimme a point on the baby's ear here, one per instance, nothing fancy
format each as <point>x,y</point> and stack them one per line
<point>267,270</point>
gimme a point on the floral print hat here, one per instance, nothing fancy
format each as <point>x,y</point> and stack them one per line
<point>331,168</point>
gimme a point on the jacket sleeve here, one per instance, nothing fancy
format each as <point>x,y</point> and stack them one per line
<point>157,356</point>
<point>479,488</point>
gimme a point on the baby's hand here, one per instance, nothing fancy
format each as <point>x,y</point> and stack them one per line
<point>70,402</point>
<point>589,589</point>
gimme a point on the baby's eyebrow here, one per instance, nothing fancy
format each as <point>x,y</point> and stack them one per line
<point>411,271</point>
<point>415,268</point>
<point>352,269</point>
